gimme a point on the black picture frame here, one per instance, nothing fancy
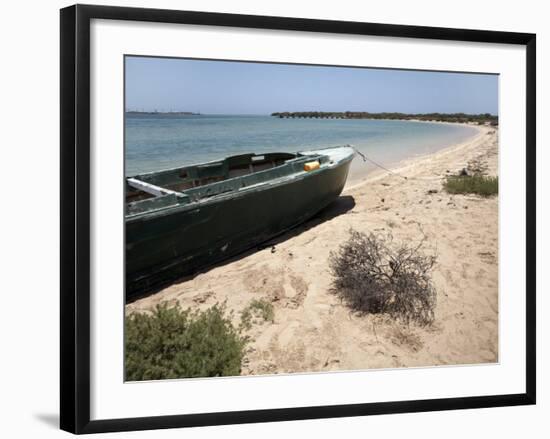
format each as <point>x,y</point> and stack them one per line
<point>75,217</point>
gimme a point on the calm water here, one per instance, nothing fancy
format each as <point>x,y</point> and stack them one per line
<point>156,142</point>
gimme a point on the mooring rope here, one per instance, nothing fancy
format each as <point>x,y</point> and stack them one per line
<point>365,159</point>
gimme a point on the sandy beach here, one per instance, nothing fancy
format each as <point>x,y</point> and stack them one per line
<point>313,330</point>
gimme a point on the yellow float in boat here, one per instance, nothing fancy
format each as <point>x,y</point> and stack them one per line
<point>311,166</point>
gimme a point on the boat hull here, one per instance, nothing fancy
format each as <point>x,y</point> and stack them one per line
<point>168,245</point>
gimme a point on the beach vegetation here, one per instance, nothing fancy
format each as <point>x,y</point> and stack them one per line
<point>482,185</point>
<point>480,119</point>
<point>257,310</point>
<point>373,275</point>
<point>173,343</point>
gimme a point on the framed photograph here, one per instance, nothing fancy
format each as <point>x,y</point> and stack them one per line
<point>268,218</point>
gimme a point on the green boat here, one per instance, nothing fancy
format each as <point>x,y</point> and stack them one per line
<point>184,219</point>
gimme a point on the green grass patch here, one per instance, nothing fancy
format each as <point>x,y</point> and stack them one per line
<point>474,184</point>
<point>257,308</point>
<point>176,343</point>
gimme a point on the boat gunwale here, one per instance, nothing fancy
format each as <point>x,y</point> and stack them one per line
<point>211,162</point>
<point>166,210</point>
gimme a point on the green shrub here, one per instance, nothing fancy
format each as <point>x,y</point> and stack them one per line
<point>259,308</point>
<point>373,276</point>
<point>176,343</point>
<point>474,184</point>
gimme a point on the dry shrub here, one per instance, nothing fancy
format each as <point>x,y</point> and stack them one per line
<point>372,275</point>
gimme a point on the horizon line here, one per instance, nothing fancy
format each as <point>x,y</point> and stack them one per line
<point>199,113</point>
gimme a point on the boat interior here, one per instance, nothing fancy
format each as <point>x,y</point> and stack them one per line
<point>157,190</point>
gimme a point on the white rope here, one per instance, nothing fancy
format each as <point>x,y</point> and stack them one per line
<point>365,159</point>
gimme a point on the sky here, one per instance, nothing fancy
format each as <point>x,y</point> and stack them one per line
<point>229,87</point>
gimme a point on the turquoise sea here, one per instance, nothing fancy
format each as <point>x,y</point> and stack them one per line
<point>161,141</point>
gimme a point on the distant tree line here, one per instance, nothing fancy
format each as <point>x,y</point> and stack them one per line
<point>431,117</point>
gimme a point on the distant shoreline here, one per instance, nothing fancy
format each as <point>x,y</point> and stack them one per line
<point>480,119</point>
